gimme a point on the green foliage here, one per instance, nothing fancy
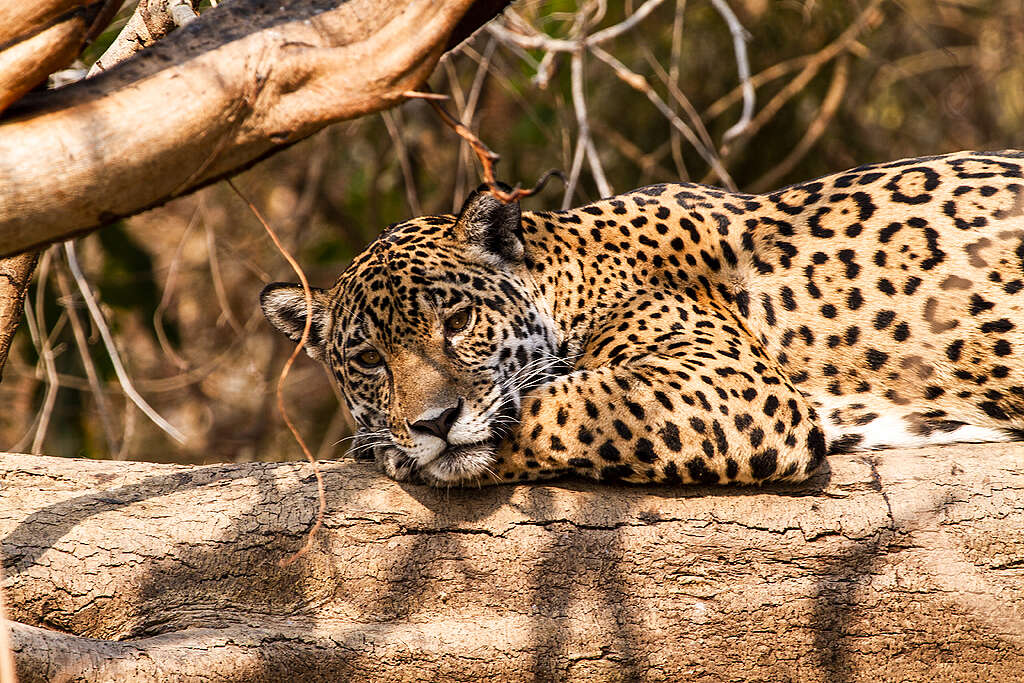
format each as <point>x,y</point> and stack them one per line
<point>127,280</point>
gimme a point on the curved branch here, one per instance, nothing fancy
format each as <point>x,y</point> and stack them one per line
<point>244,80</point>
<point>37,38</point>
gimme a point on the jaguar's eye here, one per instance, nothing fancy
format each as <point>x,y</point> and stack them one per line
<point>457,322</point>
<point>370,358</point>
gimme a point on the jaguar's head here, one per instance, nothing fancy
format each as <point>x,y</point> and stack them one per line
<point>433,333</point>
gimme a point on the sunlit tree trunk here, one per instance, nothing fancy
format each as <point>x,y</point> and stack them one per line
<point>898,565</point>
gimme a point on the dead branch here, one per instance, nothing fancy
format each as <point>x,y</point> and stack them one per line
<point>585,149</point>
<point>538,41</point>
<point>639,83</point>
<point>488,159</point>
<point>100,321</point>
<point>402,152</point>
<point>870,14</point>
<point>43,338</point>
<point>829,106</point>
<point>777,70</point>
<point>97,389</point>
<point>585,145</point>
<point>739,42</point>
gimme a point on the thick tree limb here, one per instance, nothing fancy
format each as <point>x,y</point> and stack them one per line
<point>900,565</point>
<point>20,20</point>
<point>37,38</point>
<point>245,79</point>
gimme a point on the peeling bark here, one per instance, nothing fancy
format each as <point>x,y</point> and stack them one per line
<point>899,565</point>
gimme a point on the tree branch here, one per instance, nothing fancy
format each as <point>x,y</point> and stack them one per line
<point>245,79</point>
<point>37,38</point>
<point>879,568</point>
<point>151,21</point>
<point>15,274</point>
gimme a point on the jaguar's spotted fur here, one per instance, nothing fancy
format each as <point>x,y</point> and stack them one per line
<point>680,333</point>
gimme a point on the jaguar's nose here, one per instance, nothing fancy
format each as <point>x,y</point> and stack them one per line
<point>440,424</point>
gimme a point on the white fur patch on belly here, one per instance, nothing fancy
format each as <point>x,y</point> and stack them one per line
<point>894,431</point>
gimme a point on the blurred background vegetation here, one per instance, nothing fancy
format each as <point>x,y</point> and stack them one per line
<point>838,83</point>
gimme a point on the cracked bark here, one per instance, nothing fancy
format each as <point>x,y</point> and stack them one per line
<point>900,565</point>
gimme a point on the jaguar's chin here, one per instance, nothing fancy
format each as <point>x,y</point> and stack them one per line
<point>462,464</point>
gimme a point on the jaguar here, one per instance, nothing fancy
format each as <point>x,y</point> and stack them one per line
<point>681,333</point>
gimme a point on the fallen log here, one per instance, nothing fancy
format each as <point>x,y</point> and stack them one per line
<point>894,565</point>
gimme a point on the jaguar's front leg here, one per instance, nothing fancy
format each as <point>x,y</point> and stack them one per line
<point>394,463</point>
<point>646,423</point>
<point>368,446</point>
<point>691,398</point>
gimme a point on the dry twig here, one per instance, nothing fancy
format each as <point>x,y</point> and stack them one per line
<point>809,71</point>
<point>739,44</point>
<point>777,70</point>
<point>98,392</point>
<point>488,159</point>
<point>585,149</point>
<point>639,83</point>
<point>829,106</point>
<point>683,101</point>
<point>468,110</point>
<point>402,152</point>
<point>675,56</point>
<point>218,282</point>
<point>168,292</point>
<point>284,375</point>
<point>539,41</point>
<point>46,354</point>
<point>585,144</point>
<point>649,163</point>
<point>108,341</point>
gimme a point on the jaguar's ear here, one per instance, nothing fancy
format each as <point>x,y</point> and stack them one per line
<point>492,225</point>
<point>284,304</point>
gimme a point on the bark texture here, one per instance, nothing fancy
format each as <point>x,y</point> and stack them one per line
<point>248,77</point>
<point>15,274</point>
<point>39,37</point>
<point>899,565</point>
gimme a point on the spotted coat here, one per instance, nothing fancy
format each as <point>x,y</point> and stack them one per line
<point>680,333</point>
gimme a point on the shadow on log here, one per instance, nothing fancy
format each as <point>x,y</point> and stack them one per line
<point>903,565</point>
